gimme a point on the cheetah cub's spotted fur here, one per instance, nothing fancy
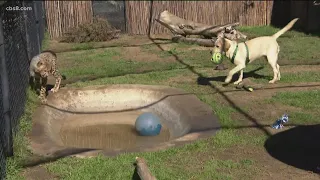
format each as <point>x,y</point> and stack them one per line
<point>40,67</point>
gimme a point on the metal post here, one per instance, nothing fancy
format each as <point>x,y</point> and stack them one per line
<point>125,16</point>
<point>41,22</point>
<point>25,18</point>
<point>150,18</point>
<point>35,11</point>
<point>44,18</point>
<point>5,101</point>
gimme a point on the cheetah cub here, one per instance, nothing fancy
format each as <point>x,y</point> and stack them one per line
<point>40,67</point>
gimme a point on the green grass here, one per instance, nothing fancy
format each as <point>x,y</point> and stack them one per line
<point>218,165</point>
<point>82,46</point>
<point>306,52</point>
<point>198,160</point>
<point>304,118</point>
<point>307,100</point>
<point>265,74</point>
<point>45,42</point>
<point>286,77</point>
<point>108,63</point>
<point>165,165</point>
<point>21,152</point>
<point>307,76</point>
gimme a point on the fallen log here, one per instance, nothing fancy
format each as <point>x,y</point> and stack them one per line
<point>185,29</point>
<point>143,170</point>
<point>179,26</point>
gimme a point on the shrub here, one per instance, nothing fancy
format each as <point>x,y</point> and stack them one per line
<point>96,31</point>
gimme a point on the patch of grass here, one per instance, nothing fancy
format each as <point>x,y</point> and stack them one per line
<point>108,63</point>
<point>219,169</point>
<point>82,46</point>
<point>266,74</point>
<point>303,118</point>
<point>146,78</point>
<point>307,76</point>
<point>45,42</point>
<point>307,100</point>
<point>305,53</point>
<point>166,54</point>
<point>184,45</point>
<point>21,152</point>
<point>230,137</point>
<point>167,164</point>
<point>196,58</point>
<point>155,50</point>
<point>150,48</point>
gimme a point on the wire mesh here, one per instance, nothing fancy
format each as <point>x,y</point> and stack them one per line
<point>23,27</point>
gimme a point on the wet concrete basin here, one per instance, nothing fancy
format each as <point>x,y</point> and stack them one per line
<point>100,119</point>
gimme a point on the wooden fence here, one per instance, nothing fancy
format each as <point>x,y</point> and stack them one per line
<point>207,12</point>
<point>62,15</point>
<point>139,15</point>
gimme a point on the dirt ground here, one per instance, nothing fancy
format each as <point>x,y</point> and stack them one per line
<point>272,168</point>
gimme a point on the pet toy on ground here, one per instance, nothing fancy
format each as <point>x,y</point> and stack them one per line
<point>279,123</point>
<point>246,87</point>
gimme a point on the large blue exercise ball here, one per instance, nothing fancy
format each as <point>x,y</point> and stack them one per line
<point>148,124</point>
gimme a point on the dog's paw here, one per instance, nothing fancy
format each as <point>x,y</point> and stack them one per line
<point>272,82</point>
<point>237,82</point>
<point>228,80</point>
<point>44,101</point>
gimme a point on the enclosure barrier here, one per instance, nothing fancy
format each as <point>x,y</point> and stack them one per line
<point>137,17</point>
<point>22,27</point>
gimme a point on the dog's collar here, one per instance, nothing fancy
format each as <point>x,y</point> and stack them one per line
<point>235,53</point>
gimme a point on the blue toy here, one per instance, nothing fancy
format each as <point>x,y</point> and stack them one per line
<point>279,123</point>
<point>148,124</point>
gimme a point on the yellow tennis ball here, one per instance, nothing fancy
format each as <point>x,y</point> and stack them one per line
<point>216,58</point>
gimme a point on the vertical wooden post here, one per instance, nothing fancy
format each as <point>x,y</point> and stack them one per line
<point>35,12</point>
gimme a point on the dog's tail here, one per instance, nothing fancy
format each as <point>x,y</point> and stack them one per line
<point>285,29</point>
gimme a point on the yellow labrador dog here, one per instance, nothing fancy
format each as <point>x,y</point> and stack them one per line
<point>243,53</point>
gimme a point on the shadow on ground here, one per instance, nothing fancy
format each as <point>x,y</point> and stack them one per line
<point>298,147</point>
<point>206,80</point>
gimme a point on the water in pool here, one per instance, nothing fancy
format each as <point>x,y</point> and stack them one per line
<point>107,131</point>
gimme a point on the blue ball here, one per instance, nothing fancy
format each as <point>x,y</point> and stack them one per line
<point>148,124</point>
